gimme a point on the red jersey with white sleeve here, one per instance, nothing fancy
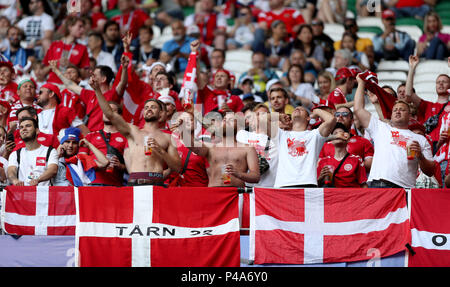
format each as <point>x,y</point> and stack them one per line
<point>9,92</point>
<point>356,145</point>
<point>212,100</point>
<point>117,141</point>
<point>351,173</point>
<point>72,101</point>
<point>290,16</point>
<point>77,55</point>
<point>93,110</point>
<point>337,97</point>
<point>16,106</point>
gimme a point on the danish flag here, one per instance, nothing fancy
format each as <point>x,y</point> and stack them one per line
<point>155,226</point>
<point>315,225</point>
<point>38,210</point>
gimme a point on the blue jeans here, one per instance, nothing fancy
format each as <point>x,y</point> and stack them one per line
<point>437,50</point>
<point>382,184</point>
<point>411,11</point>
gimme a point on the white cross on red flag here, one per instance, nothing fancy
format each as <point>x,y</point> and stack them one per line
<point>315,225</point>
<point>147,226</point>
<point>38,210</point>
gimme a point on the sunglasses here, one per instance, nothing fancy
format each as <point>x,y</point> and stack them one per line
<point>341,114</point>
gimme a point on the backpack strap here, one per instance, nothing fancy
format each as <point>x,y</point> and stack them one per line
<point>18,161</point>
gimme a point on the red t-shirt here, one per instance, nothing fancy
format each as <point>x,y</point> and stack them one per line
<point>291,17</point>
<point>427,109</point>
<point>409,3</point>
<point>117,141</point>
<point>351,174</point>
<point>77,53</point>
<point>9,92</point>
<point>93,109</point>
<point>16,106</point>
<point>337,97</point>
<point>137,20</point>
<point>210,100</point>
<point>356,145</point>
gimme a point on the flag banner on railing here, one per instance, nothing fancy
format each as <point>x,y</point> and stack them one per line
<point>315,225</point>
<point>38,210</point>
<point>155,226</point>
<point>430,228</point>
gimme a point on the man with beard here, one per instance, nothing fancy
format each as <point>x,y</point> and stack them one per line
<point>112,144</point>
<point>54,116</point>
<point>230,162</point>
<point>113,43</point>
<point>15,53</point>
<point>149,149</point>
<point>176,50</point>
<point>35,164</point>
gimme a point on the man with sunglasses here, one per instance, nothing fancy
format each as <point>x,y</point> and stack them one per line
<point>356,145</point>
<point>351,26</point>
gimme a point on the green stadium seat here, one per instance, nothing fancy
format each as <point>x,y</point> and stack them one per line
<point>111,13</point>
<point>409,21</point>
<point>370,29</point>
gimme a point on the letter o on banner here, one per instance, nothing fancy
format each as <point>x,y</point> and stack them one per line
<point>439,242</point>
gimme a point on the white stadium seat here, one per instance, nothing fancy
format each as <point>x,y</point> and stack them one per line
<point>370,22</point>
<point>391,76</point>
<point>239,55</point>
<point>432,67</point>
<point>335,31</point>
<point>393,84</point>
<point>368,35</point>
<point>425,78</point>
<point>413,31</point>
<point>399,65</point>
<point>446,29</point>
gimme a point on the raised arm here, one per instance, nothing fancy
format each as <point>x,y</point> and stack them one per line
<point>195,48</point>
<point>120,88</point>
<point>101,159</point>
<point>413,62</point>
<point>329,121</point>
<point>69,84</point>
<point>361,113</point>
<point>121,125</point>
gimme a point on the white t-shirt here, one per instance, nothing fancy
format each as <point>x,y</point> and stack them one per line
<point>33,163</point>
<point>390,157</point>
<point>259,141</point>
<point>105,59</point>
<point>36,26</point>
<point>46,118</point>
<point>298,156</point>
<point>306,90</point>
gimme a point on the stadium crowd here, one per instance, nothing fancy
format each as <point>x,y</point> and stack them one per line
<point>87,99</point>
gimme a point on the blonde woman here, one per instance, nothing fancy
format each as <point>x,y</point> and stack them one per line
<point>433,44</point>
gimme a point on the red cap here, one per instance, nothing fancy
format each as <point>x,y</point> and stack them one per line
<point>223,70</point>
<point>343,73</point>
<point>54,89</point>
<point>328,104</point>
<point>388,14</point>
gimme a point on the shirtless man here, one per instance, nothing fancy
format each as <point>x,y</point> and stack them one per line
<point>227,157</point>
<point>143,169</point>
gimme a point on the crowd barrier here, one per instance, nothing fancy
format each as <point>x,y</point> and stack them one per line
<point>26,250</point>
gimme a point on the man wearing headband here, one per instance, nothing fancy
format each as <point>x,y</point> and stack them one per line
<point>27,97</point>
